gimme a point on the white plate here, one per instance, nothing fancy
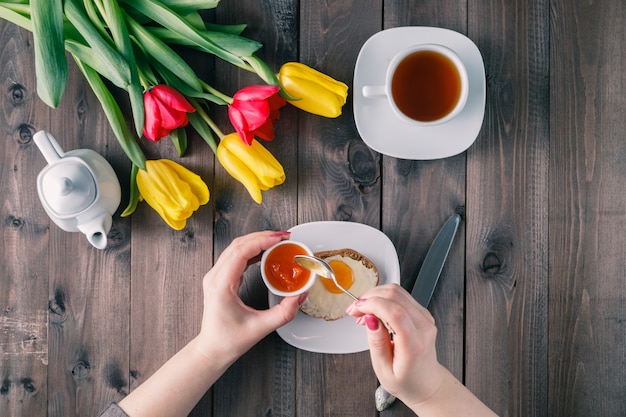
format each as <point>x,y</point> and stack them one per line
<point>382,131</point>
<point>343,335</point>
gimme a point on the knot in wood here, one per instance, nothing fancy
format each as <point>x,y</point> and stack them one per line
<point>81,369</point>
<point>344,212</point>
<point>5,387</point>
<point>15,222</point>
<point>24,134</point>
<point>491,263</point>
<point>363,165</point>
<point>16,94</point>
<point>28,385</point>
<point>115,237</point>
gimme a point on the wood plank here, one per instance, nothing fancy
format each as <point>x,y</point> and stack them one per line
<point>244,389</point>
<point>507,197</point>
<point>23,236</point>
<point>167,266</point>
<point>419,196</point>
<point>587,345</point>
<point>89,288</point>
<point>339,180</point>
<point>167,271</point>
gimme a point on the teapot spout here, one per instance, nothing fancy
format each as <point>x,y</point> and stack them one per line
<point>96,230</point>
<point>48,146</point>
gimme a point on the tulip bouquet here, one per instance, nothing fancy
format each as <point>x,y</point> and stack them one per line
<point>130,44</point>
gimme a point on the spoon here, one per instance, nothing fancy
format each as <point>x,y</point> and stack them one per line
<point>321,268</point>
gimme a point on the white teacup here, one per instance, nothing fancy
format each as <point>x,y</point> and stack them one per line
<point>425,85</point>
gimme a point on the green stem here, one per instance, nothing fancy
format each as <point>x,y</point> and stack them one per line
<point>215,92</point>
<point>210,122</point>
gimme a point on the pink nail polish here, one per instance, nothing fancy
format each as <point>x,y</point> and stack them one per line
<point>302,297</point>
<point>281,233</point>
<point>371,322</point>
<point>360,301</point>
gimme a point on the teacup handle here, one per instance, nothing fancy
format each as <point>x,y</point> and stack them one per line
<point>374,91</point>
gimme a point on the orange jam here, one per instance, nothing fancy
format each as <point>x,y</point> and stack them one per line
<point>343,274</point>
<point>282,271</point>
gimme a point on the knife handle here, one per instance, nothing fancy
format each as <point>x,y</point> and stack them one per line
<point>383,398</point>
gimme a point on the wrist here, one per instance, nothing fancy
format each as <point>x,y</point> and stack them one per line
<point>451,398</point>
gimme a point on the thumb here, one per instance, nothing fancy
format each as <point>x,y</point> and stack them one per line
<point>381,349</point>
<point>280,314</point>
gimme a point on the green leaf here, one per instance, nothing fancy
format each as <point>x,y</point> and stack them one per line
<point>89,57</point>
<point>114,115</point>
<point>173,21</point>
<point>50,60</point>
<point>158,50</point>
<point>117,25</point>
<point>203,129</point>
<point>262,70</point>
<point>18,14</point>
<point>75,13</point>
<point>236,45</point>
<point>232,29</point>
<point>186,6</point>
<point>145,72</point>
<point>174,81</point>
<point>134,195</point>
<point>179,139</point>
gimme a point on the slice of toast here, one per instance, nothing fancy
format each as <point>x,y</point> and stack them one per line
<point>323,304</point>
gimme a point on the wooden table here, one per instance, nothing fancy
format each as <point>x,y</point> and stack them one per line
<point>531,304</point>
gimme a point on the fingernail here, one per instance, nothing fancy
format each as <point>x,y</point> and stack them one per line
<point>281,233</point>
<point>359,321</point>
<point>303,297</point>
<point>349,308</point>
<point>371,322</point>
<point>360,301</point>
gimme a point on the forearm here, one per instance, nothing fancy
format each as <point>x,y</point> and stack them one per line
<point>176,387</point>
<point>452,399</point>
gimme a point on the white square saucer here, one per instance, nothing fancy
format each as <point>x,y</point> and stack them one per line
<point>379,127</point>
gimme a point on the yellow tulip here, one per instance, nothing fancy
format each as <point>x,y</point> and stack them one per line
<point>172,190</point>
<point>317,92</point>
<point>253,166</point>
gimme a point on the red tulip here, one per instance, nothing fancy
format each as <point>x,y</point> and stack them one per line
<point>254,110</point>
<point>165,110</point>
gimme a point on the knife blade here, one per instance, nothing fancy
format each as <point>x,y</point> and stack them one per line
<point>426,282</point>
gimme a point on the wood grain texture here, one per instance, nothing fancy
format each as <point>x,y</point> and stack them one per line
<point>275,25</point>
<point>89,288</point>
<point>530,305</point>
<point>507,212</point>
<point>587,347</point>
<point>24,237</point>
<point>339,179</point>
<point>419,196</point>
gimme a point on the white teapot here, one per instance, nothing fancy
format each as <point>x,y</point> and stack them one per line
<point>78,189</point>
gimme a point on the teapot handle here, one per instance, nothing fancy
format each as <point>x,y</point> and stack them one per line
<point>48,146</point>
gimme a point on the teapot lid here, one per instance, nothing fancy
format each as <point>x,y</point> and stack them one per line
<point>68,188</point>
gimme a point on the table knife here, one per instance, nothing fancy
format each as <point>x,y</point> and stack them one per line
<point>425,283</point>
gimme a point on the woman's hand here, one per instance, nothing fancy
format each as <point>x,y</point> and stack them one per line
<point>406,366</point>
<point>226,320</point>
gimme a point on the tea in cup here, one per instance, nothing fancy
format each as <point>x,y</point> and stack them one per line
<point>425,85</point>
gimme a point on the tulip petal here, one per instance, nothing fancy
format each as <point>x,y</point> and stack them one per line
<point>256,92</point>
<point>197,185</point>
<point>164,186</point>
<point>172,98</point>
<point>152,119</point>
<point>240,125</point>
<point>240,172</point>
